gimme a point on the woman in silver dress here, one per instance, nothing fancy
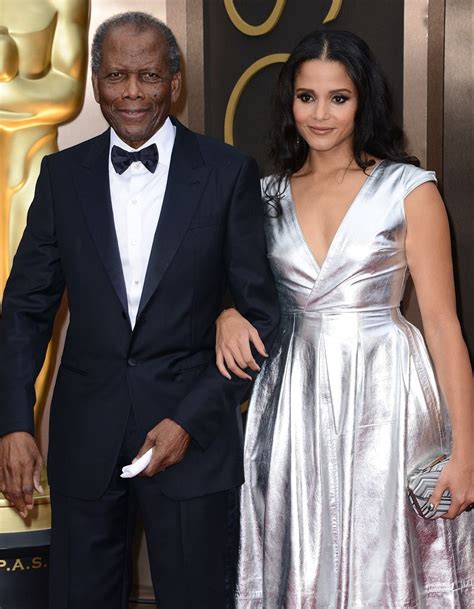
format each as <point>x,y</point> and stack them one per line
<point>348,403</point>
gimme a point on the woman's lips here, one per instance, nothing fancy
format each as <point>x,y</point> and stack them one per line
<point>321,130</point>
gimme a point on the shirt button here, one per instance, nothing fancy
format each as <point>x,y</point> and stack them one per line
<point>134,201</point>
<point>136,282</point>
<point>134,242</point>
<point>132,362</point>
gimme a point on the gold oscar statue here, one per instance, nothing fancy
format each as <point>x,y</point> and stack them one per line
<point>43,60</point>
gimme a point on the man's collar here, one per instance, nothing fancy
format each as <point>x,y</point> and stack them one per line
<point>163,138</point>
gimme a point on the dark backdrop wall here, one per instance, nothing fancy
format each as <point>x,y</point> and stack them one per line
<point>228,53</point>
<point>458,152</point>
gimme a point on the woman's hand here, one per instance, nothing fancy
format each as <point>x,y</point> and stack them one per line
<point>458,477</point>
<point>233,339</point>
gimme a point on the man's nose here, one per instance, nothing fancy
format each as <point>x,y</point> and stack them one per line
<point>132,88</point>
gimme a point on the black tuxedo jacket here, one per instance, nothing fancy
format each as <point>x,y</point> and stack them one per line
<point>209,237</point>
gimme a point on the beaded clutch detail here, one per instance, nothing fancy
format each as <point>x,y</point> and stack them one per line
<point>421,484</point>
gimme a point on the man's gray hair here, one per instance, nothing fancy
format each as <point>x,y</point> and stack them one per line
<point>142,22</point>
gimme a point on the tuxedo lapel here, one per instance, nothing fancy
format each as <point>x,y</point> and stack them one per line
<point>187,179</point>
<point>94,195</point>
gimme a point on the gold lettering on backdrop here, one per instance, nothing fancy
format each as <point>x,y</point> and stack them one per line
<point>274,17</point>
<point>240,85</point>
<point>259,30</point>
<point>333,11</point>
<point>254,30</point>
<point>43,55</point>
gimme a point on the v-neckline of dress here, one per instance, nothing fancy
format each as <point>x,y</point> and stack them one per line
<point>299,228</point>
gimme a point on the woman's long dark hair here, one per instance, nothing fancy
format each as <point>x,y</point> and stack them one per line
<point>375,133</point>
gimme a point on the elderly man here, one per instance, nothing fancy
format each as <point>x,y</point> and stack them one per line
<point>145,226</point>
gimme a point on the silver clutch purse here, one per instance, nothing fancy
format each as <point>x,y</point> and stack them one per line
<point>421,484</point>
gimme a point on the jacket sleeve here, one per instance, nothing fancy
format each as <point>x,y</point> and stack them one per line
<point>30,301</point>
<point>254,295</point>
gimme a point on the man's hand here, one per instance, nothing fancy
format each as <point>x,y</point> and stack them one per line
<point>20,470</point>
<point>169,442</point>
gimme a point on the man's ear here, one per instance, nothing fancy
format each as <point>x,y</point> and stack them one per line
<point>95,87</point>
<point>175,87</point>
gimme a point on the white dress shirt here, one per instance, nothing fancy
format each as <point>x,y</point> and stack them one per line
<point>137,198</point>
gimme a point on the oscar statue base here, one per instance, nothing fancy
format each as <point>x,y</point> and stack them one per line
<point>24,553</point>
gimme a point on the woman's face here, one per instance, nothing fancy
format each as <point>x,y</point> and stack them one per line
<point>324,105</point>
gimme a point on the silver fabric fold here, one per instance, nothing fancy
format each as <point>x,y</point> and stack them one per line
<point>344,408</point>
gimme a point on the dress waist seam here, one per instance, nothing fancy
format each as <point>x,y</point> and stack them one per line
<point>331,312</point>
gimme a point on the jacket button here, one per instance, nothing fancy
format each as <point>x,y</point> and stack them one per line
<point>132,361</point>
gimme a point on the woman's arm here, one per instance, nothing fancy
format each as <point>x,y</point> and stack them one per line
<point>428,248</point>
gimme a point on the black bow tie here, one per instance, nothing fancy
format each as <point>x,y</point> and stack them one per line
<point>122,159</point>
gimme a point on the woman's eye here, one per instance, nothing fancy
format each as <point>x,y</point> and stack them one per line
<point>340,99</point>
<point>305,97</point>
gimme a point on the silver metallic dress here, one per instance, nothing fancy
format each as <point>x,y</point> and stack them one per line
<point>344,408</point>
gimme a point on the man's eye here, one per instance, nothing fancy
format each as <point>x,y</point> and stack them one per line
<point>115,76</point>
<point>151,76</point>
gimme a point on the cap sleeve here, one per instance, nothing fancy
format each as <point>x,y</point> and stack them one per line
<point>414,177</point>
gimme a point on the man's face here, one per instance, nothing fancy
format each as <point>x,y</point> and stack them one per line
<point>133,85</point>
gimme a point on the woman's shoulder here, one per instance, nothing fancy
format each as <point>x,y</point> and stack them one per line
<point>407,176</point>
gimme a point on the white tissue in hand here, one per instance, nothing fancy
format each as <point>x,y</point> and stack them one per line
<point>129,471</point>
